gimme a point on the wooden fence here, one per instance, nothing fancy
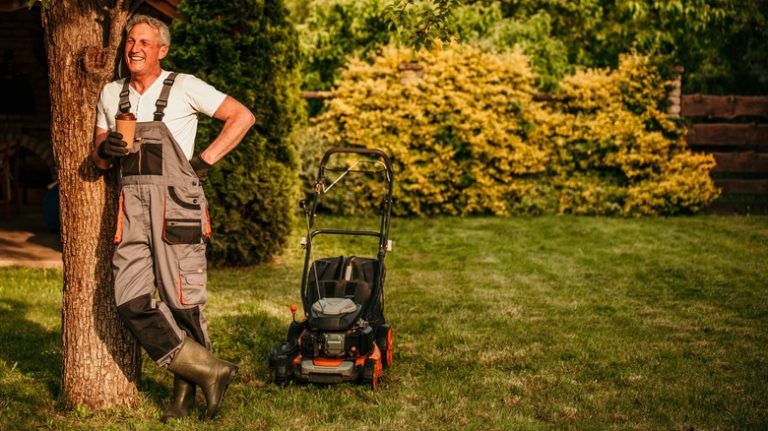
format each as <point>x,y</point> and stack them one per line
<point>735,130</point>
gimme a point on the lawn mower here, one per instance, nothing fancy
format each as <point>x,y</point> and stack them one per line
<point>343,336</point>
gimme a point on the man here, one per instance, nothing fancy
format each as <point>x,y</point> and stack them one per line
<point>163,219</point>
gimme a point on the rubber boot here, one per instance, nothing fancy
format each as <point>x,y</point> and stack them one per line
<point>196,364</point>
<point>182,402</point>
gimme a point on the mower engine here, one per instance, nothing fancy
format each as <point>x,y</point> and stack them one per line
<point>349,344</point>
<point>333,345</point>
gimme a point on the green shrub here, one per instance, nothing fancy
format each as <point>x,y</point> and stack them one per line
<point>467,137</point>
<point>720,44</point>
<point>485,26</point>
<point>332,31</point>
<point>249,50</point>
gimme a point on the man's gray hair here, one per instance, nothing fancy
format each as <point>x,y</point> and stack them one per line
<point>165,34</point>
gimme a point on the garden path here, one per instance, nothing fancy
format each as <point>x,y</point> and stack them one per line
<point>25,241</point>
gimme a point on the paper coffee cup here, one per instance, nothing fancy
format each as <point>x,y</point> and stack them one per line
<point>125,124</point>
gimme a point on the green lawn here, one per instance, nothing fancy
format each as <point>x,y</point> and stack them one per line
<point>518,323</point>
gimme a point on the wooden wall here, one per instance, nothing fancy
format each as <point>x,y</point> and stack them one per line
<point>735,130</point>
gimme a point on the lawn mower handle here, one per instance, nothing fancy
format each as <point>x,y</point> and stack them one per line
<point>364,151</point>
<point>355,150</point>
<point>382,234</point>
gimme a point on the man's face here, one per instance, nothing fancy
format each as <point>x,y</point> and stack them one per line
<point>143,51</point>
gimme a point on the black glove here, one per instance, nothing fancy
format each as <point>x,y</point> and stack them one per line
<point>200,167</point>
<point>113,146</point>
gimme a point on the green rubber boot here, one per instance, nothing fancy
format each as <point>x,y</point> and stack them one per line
<point>182,402</point>
<point>196,364</point>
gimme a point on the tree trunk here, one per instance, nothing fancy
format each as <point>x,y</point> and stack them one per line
<point>101,360</point>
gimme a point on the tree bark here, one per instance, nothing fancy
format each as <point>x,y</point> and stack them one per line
<point>101,359</point>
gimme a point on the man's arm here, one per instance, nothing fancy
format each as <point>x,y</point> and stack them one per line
<point>237,120</point>
<point>99,136</point>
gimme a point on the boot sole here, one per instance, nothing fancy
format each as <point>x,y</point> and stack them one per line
<point>227,381</point>
<point>167,417</point>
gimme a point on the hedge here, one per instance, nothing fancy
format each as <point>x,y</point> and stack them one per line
<point>467,136</point>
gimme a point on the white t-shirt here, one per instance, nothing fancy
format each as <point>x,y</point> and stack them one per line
<point>189,95</point>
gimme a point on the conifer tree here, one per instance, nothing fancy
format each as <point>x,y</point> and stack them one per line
<point>249,50</point>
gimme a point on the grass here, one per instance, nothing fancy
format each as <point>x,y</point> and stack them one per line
<point>519,323</point>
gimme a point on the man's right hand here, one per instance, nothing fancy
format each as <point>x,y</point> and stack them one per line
<point>113,146</point>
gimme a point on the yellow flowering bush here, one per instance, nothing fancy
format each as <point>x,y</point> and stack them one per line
<point>616,152</point>
<point>467,137</point>
<point>461,131</point>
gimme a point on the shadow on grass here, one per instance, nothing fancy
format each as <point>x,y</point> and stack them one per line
<point>30,380</point>
<point>250,337</point>
<point>157,383</point>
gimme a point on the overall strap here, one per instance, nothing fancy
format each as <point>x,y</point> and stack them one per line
<point>162,101</point>
<point>125,103</point>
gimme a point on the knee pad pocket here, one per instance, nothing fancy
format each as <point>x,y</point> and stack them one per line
<point>190,320</point>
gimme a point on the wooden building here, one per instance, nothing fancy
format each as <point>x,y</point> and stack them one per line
<point>27,167</point>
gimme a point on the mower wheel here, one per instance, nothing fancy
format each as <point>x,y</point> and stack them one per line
<point>369,374</point>
<point>294,331</point>
<point>280,377</point>
<point>384,339</point>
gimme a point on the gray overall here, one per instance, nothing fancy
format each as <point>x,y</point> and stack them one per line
<point>160,240</point>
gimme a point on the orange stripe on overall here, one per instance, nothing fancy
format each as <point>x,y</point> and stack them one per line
<point>120,215</point>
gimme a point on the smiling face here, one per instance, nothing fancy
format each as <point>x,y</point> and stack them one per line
<point>143,50</point>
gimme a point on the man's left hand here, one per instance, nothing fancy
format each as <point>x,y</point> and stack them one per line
<point>200,167</point>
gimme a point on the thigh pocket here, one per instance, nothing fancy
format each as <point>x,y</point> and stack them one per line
<point>193,276</point>
<point>183,220</point>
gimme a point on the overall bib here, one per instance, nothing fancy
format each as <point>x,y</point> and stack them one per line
<point>160,239</point>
